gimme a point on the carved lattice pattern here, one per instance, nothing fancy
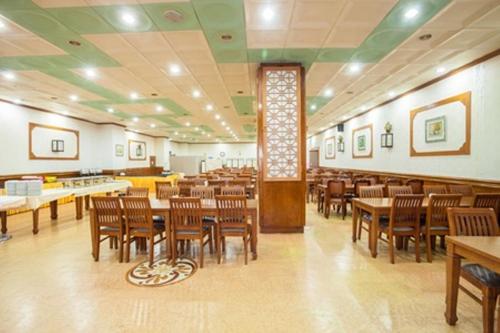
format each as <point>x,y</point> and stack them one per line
<point>281,124</point>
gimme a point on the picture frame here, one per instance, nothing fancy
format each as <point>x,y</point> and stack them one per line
<point>361,142</point>
<point>57,146</point>
<point>330,148</point>
<point>435,129</point>
<point>119,150</point>
<point>137,150</point>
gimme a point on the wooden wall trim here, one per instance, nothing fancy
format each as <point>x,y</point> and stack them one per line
<point>32,155</point>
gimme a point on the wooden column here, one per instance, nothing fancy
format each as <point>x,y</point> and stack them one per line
<point>281,128</point>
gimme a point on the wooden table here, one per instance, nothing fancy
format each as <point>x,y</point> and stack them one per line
<point>8,202</point>
<point>378,207</point>
<point>209,208</point>
<point>481,250</point>
<point>323,189</point>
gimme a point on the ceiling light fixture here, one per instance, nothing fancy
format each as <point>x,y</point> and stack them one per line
<point>9,75</point>
<point>328,92</point>
<point>391,94</point>
<point>74,98</point>
<point>363,108</point>
<point>90,73</point>
<point>217,116</point>
<point>196,93</point>
<point>110,110</point>
<point>411,13</point>
<point>17,101</point>
<point>440,70</point>
<point>227,128</point>
<point>129,18</point>
<point>354,68</point>
<point>209,107</point>
<point>135,119</point>
<point>196,129</point>
<point>2,25</point>
<point>134,95</point>
<point>174,69</point>
<point>188,124</point>
<point>223,123</point>
<point>159,108</point>
<point>268,14</point>
<point>152,125</point>
<point>313,107</point>
<point>176,133</point>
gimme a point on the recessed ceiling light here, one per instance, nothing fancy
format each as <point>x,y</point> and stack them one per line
<point>391,94</point>
<point>174,69</point>
<point>226,37</point>
<point>202,132</point>
<point>425,37</point>
<point>196,93</point>
<point>313,107</point>
<point>152,125</point>
<point>17,101</point>
<point>196,129</point>
<point>2,25</point>
<point>223,123</point>
<point>9,75</point>
<point>440,70</point>
<point>411,13</point>
<point>268,14</point>
<point>74,43</point>
<point>217,116</point>
<point>208,134</point>
<point>173,16</point>
<point>209,107</point>
<point>363,107</point>
<point>110,110</point>
<point>134,95</point>
<point>135,119</point>
<point>74,98</point>
<point>90,73</point>
<point>183,135</point>
<point>354,68</point>
<point>129,18</point>
<point>65,113</point>
<point>188,124</point>
<point>345,117</point>
<point>328,92</point>
<point>159,108</point>
<point>227,128</point>
<point>176,133</point>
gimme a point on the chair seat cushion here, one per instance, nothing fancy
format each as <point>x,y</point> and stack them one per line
<point>384,225</point>
<point>110,229</point>
<point>435,228</point>
<point>191,232</point>
<point>158,219</point>
<point>234,229</point>
<point>487,277</point>
<point>368,217</point>
<point>209,220</point>
<point>158,228</point>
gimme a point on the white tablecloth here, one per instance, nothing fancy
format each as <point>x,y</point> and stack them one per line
<point>11,202</point>
<point>101,188</point>
<point>34,202</point>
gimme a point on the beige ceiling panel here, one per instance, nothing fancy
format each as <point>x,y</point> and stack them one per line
<point>197,70</point>
<point>438,36</point>
<point>322,71</point>
<point>187,40</point>
<point>266,38</point>
<point>317,15</point>
<point>468,38</point>
<point>365,12</point>
<point>403,56</point>
<point>123,81</point>
<point>162,58</point>
<point>385,68</point>
<point>148,42</point>
<point>460,13</point>
<point>436,56</point>
<point>7,49</point>
<point>490,20</point>
<point>111,2</point>
<point>199,57</point>
<point>306,38</point>
<point>109,43</point>
<point>268,14</point>
<point>59,3</point>
<point>233,69</point>
<point>146,72</point>
<point>348,36</point>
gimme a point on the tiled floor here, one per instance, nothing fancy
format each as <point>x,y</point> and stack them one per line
<point>316,282</point>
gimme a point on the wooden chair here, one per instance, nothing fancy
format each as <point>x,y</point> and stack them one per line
<point>436,219</point>
<point>465,190</point>
<point>167,192</point>
<point>488,200</point>
<point>336,190</point>
<point>203,192</point>
<point>199,181</point>
<point>139,224</point>
<point>232,190</point>
<point>404,221</point>
<point>366,218</point>
<point>417,185</point>
<point>159,186</point>
<point>185,187</point>
<point>137,192</point>
<point>108,220</point>
<point>390,182</point>
<point>392,191</point>
<point>478,222</point>
<point>434,189</point>
<point>187,224</point>
<point>216,184</point>
<point>232,222</point>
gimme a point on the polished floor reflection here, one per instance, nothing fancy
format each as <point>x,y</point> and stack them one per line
<point>316,282</point>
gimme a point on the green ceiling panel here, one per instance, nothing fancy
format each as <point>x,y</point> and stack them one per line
<point>243,105</point>
<point>166,120</point>
<point>264,55</point>
<point>206,128</point>
<point>82,20</point>
<point>250,128</point>
<point>335,55</point>
<point>318,101</point>
<point>220,14</point>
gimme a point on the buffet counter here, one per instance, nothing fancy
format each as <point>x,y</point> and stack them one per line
<point>148,181</point>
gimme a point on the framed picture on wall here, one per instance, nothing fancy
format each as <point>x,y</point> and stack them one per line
<point>119,150</point>
<point>57,146</point>
<point>137,150</point>
<point>435,129</point>
<point>330,148</point>
<point>362,142</point>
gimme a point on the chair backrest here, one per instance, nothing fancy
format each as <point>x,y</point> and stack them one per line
<point>472,222</point>
<point>161,185</point>
<point>138,192</point>
<point>199,181</point>
<point>360,182</point>
<point>346,180</point>
<point>405,210</point>
<point>231,211</point>
<point>488,200</point>
<point>186,214</point>
<point>465,190</point>
<point>237,182</point>
<point>232,190</point>
<point>392,182</point>
<point>216,182</point>
<point>392,190</point>
<point>417,185</point>
<point>434,189</point>
<point>167,192</point>
<point>137,212</point>
<point>336,188</point>
<point>203,192</point>
<point>437,209</point>
<point>371,191</point>
<point>185,187</point>
<point>107,212</point>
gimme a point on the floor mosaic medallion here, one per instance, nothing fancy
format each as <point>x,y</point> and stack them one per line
<point>162,273</point>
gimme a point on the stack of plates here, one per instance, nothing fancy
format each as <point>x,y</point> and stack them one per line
<point>24,187</point>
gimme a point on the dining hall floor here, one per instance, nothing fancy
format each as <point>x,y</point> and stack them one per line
<point>316,282</point>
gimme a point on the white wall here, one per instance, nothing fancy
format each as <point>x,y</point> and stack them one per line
<point>482,80</point>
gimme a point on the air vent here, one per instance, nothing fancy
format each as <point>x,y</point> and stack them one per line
<point>173,16</point>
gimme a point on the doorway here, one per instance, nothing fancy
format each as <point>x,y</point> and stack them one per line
<point>314,158</point>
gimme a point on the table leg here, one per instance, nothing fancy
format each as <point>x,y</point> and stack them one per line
<point>87,202</point>
<point>326,204</point>
<point>452,276</point>
<point>168,231</point>
<point>254,235</point>
<point>3,217</point>
<point>79,207</point>
<point>498,317</point>
<point>35,221</point>
<point>374,234</point>
<point>355,218</point>
<point>92,233</point>
<point>53,209</point>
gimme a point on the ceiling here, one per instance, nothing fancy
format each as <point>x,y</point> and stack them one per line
<point>187,69</point>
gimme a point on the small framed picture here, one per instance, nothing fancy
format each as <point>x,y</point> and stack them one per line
<point>435,129</point>
<point>119,150</point>
<point>362,142</point>
<point>57,146</point>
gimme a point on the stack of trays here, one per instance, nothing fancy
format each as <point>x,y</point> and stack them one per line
<point>24,187</point>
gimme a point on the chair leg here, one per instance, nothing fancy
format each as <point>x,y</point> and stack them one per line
<point>391,248</point>
<point>219,247</point>
<point>245,245</point>
<point>443,245</point>
<point>210,242</point>
<point>417,247</point>
<point>428,246</point>
<point>360,228</point>
<point>127,249</point>
<point>120,247</point>
<point>151,249</point>
<point>110,242</point>
<point>98,247</point>
<point>201,251</point>
<point>174,250</point>
<point>489,303</point>
<point>433,242</point>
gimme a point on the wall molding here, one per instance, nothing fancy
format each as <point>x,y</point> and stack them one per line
<point>32,155</point>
